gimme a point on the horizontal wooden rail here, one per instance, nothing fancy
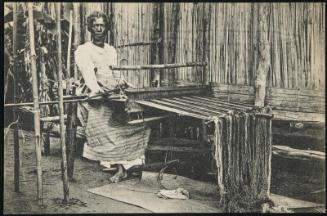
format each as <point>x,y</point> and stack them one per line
<point>139,121</point>
<point>52,102</point>
<point>177,149</point>
<point>67,99</point>
<point>139,43</point>
<point>52,118</point>
<point>158,66</point>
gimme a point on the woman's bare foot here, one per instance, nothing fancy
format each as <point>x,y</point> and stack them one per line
<point>120,175</point>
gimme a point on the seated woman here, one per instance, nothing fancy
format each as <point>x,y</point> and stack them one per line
<point>108,137</point>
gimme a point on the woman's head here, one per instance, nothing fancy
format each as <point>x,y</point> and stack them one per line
<point>95,16</point>
<point>98,25</point>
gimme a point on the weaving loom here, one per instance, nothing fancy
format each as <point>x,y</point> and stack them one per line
<point>238,135</point>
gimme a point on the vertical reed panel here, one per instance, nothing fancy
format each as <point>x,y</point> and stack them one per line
<point>296,38</point>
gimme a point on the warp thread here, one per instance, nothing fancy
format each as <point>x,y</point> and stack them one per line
<point>243,155</point>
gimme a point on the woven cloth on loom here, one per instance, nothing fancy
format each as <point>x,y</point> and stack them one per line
<point>109,138</point>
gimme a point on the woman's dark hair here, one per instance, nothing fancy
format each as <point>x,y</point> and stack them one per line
<point>93,16</point>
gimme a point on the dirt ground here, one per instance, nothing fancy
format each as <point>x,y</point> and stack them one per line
<point>88,175</point>
<point>304,181</point>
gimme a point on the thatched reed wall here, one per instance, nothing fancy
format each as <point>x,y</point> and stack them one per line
<point>133,24</point>
<point>223,34</point>
<point>226,35</point>
<point>296,37</point>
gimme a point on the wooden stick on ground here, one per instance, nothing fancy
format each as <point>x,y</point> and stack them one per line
<point>61,110</point>
<point>36,104</point>
<point>16,139</point>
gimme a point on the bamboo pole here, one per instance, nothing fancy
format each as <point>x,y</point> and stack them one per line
<point>68,51</point>
<point>72,99</point>
<point>157,49</point>
<point>70,132</point>
<point>61,110</point>
<point>153,47</point>
<point>158,66</point>
<point>72,112</point>
<point>140,43</point>
<point>112,26</point>
<point>175,22</point>
<point>43,103</point>
<point>206,42</point>
<point>16,139</point>
<point>183,40</point>
<point>36,104</point>
<point>161,46</point>
<point>270,140</point>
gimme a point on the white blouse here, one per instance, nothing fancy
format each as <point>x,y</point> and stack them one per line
<point>93,62</point>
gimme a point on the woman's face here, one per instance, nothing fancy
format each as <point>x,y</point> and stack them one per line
<point>99,30</point>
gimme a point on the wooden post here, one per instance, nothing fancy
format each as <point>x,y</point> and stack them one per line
<point>16,139</point>
<point>173,40</point>
<point>269,121</point>
<point>263,56</point>
<point>206,41</point>
<point>111,37</point>
<point>61,109</point>
<point>69,50</point>
<point>161,50</point>
<point>199,39</point>
<point>36,104</point>
<point>156,48</point>
<point>72,111</point>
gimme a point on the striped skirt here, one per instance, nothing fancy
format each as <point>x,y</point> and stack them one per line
<point>109,138</point>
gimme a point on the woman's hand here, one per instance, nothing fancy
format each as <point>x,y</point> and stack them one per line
<point>95,93</point>
<point>124,82</point>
